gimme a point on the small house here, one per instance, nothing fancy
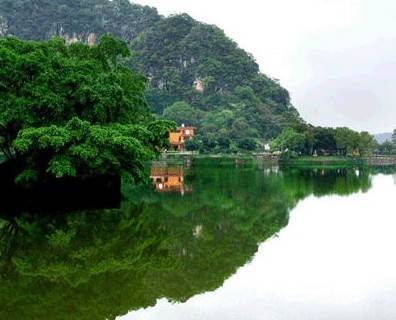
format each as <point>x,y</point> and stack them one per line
<point>180,136</point>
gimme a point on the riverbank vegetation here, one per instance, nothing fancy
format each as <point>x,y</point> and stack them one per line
<point>309,140</point>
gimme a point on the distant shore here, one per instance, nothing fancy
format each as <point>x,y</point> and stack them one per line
<point>302,161</point>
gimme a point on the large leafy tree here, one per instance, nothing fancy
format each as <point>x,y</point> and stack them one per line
<point>181,112</point>
<point>366,143</point>
<point>74,110</point>
<point>347,139</point>
<point>290,140</point>
<point>354,143</point>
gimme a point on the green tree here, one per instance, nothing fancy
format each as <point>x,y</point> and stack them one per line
<point>289,140</point>
<point>193,144</point>
<point>181,112</point>
<point>347,140</point>
<point>247,144</point>
<point>385,148</point>
<point>366,144</point>
<point>324,140</point>
<point>74,110</point>
<point>354,143</point>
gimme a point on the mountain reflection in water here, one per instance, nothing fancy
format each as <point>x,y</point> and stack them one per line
<point>99,264</point>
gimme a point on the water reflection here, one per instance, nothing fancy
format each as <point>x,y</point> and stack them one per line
<point>168,178</point>
<point>99,264</point>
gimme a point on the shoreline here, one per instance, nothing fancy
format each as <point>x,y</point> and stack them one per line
<point>303,161</point>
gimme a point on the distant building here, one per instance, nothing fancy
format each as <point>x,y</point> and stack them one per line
<point>178,138</point>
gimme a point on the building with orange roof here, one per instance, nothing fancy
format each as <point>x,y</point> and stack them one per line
<point>180,136</point>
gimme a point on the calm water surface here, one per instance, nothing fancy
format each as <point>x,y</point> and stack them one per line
<point>211,241</point>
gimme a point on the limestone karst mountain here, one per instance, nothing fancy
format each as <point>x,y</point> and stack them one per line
<point>231,102</point>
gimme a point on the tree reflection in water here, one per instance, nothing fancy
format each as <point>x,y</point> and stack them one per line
<point>100,264</point>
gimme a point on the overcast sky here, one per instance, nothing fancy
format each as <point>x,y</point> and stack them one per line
<point>336,57</point>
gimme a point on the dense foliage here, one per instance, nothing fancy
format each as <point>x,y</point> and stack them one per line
<point>232,104</point>
<point>74,110</point>
<point>74,19</point>
<point>189,63</point>
<point>309,140</point>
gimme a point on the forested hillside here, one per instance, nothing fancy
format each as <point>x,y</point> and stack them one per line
<point>195,73</point>
<point>74,19</point>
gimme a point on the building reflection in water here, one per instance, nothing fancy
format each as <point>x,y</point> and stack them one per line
<point>169,178</point>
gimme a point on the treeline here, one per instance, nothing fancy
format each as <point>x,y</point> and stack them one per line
<point>309,140</point>
<point>221,130</point>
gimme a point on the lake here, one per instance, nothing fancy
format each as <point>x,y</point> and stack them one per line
<point>211,239</point>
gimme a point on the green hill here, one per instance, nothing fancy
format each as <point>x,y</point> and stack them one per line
<point>196,74</point>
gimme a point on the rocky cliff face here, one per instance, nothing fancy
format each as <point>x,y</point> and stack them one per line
<point>42,19</point>
<point>3,26</point>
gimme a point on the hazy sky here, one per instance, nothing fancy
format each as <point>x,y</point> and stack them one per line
<point>336,57</point>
